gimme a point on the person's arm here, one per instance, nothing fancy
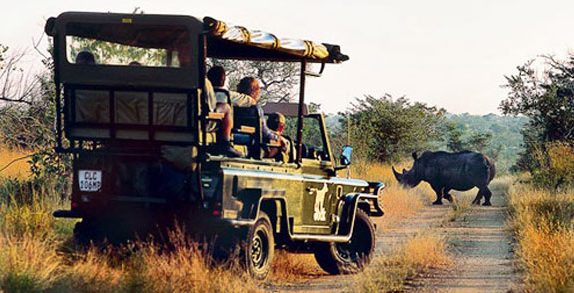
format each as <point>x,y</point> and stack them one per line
<point>241,100</point>
<point>267,133</point>
<point>211,99</point>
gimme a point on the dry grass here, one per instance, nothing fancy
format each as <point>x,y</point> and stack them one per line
<point>544,225</point>
<point>35,256</point>
<point>418,255</point>
<point>19,168</point>
<point>28,264</point>
<point>461,204</point>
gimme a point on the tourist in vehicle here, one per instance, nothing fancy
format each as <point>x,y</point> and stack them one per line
<point>224,146</point>
<point>276,122</point>
<point>85,57</point>
<point>217,77</point>
<point>250,86</point>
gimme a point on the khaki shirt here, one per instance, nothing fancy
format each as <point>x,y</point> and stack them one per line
<point>211,98</point>
<point>237,99</point>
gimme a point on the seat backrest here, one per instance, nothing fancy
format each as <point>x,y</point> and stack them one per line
<point>247,128</point>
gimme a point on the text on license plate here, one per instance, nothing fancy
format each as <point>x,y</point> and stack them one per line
<point>90,180</point>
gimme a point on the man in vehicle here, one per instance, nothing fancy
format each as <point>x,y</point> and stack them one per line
<point>224,146</point>
<point>250,86</point>
<point>224,99</point>
<point>216,76</point>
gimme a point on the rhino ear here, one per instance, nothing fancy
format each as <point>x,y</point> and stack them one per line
<point>415,156</point>
<point>398,176</point>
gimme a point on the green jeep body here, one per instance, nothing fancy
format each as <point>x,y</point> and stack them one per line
<point>144,156</point>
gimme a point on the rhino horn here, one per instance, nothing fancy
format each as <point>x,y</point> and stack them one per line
<point>398,175</point>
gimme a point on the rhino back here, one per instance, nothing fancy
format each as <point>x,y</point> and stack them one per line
<point>460,171</point>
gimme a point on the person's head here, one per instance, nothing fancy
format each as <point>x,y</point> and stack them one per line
<point>135,63</point>
<point>216,75</point>
<point>276,122</point>
<point>249,86</point>
<point>85,57</point>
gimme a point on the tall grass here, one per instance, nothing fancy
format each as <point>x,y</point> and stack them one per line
<point>544,225</point>
<point>45,263</point>
<point>37,254</point>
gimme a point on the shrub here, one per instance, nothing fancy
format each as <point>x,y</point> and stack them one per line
<point>554,165</point>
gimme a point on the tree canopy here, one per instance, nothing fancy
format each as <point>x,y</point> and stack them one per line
<point>386,129</point>
<point>547,98</point>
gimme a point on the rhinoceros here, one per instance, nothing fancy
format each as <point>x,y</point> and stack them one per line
<point>450,171</point>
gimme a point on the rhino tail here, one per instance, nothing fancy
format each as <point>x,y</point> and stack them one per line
<point>491,168</point>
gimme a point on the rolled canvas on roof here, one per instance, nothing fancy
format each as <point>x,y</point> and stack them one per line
<point>256,38</point>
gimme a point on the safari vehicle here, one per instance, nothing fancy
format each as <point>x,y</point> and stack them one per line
<point>144,156</point>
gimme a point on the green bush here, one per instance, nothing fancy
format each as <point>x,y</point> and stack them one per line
<point>553,165</point>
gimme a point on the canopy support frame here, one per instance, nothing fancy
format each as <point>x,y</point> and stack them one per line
<point>300,112</point>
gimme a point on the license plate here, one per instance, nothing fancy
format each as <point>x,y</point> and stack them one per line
<point>90,180</point>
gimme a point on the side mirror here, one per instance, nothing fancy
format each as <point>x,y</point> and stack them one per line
<point>346,155</point>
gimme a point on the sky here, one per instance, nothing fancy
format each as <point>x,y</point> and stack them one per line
<point>452,54</point>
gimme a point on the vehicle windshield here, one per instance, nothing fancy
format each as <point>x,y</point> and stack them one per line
<point>128,45</point>
<point>313,143</point>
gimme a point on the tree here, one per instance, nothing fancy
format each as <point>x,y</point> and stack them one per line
<point>277,79</point>
<point>454,133</point>
<point>478,141</point>
<point>385,129</point>
<point>16,84</point>
<point>27,112</point>
<point>548,100</point>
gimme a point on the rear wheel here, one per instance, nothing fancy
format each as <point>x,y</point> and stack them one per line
<point>87,231</point>
<point>350,257</point>
<point>259,248</point>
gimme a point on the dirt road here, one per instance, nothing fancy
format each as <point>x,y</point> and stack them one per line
<point>482,253</point>
<point>478,241</point>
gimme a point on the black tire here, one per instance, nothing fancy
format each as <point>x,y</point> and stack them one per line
<point>259,248</point>
<point>353,256</point>
<point>100,231</point>
<point>88,231</point>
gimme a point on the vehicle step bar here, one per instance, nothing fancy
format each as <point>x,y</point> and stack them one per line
<point>66,214</point>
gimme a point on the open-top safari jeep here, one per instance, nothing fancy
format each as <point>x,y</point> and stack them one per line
<point>143,153</point>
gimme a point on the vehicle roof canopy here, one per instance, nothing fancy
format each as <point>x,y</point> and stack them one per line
<point>224,41</point>
<point>237,42</point>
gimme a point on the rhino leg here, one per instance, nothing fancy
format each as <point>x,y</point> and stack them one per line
<point>447,195</point>
<point>487,194</point>
<point>438,192</point>
<point>478,197</point>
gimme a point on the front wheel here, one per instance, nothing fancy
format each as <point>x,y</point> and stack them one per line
<point>350,257</point>
<point>259,248</point>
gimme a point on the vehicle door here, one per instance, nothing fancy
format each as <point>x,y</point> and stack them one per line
<point>320,194</point>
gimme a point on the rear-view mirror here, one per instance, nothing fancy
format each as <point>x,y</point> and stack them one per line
<point>346,155</point>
